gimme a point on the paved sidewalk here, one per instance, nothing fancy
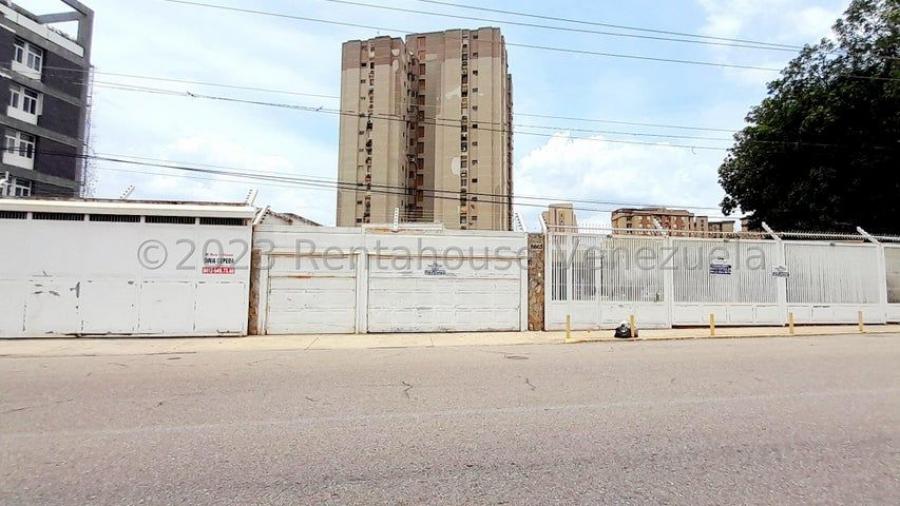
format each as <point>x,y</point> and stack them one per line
<point>149,346</point>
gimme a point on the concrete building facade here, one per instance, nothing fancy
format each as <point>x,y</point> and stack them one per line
<point>677,221</point>
<point>45,75</point>
<point>426,128</point>
<point>560,217</point>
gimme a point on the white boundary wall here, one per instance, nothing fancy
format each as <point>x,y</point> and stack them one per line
<point>65,275</point>
<point>892,279</point>
<point>748,295</point>
<point>834,282</point>
<point>600,280</point>
<point>414,279</point>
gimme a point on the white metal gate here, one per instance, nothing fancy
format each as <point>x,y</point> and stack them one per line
<point>892,278</point>
<point>312,294</point>
<point>123,268</point>
<point>441,294</point>
<point>341,280</point>
<point>599,281</point>
<point>730,279</point>
<point>833,282</point>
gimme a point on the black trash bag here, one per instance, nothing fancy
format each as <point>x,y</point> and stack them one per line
<point>623,331</point>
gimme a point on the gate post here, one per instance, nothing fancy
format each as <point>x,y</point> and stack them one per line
<point>669,281</point>
<point>781,258</point>
<point>536,282</point>
<point>549,287</point>
<point>882,272</point>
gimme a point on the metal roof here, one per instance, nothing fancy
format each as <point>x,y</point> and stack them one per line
<point>130,207</point>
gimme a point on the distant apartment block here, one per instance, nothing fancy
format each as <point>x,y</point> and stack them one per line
<point>429,130</point>
<point>677,221</point>
<point>45,74</point>
<point>722,226</point>
<point>560,217</point>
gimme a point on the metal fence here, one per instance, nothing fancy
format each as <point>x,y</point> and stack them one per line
<point>600,277</point>
<point>892,275</point>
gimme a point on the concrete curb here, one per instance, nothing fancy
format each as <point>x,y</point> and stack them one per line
<point>20,348</point>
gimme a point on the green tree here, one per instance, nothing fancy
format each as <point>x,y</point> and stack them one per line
<point>822,151</point>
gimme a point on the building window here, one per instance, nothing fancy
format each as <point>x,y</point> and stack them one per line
<point>15,96</point>
<point>17,188</point>
<point>24,104</point>
<point>29,55</point>
<point>20,143</point>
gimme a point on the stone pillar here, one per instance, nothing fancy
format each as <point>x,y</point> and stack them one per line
<point>536,281</point>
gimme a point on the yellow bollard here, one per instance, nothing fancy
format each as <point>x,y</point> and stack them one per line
<point>791,323</point>
<point>712,324</point>
<point>568,328</point>
<point>632,321</point>
<point>862,323</point>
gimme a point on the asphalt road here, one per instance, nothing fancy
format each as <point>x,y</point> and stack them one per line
<point>753,421</point>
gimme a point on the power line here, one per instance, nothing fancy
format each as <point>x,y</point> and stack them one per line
<point>639,57</point>
<point>336,97</point>
<point>528,46</point>
<point>436,123</point>
<point>456,124</point>
<point>509,44</point>
<point>631,123</point>
<point>762,46</point>
<point>448,122</point>
<point>298,93</point>
<point>332,183</point>
<point>610,25</point>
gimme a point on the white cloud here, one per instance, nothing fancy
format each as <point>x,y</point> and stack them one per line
<point>790,22</point>
<point>780,21</point>
<point>619,174</point>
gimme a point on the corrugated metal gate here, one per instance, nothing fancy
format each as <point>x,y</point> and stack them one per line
<point>405,295</point>
<point>304,295</point>
<point>110,268</point>
<point>731,279</point>
<point>341,280</point>
<point>833,282</point>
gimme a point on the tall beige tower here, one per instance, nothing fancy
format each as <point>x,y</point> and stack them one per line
<point>427,128</point>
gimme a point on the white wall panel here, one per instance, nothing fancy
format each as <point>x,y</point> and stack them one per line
<point>465,299</point>
<point>77,278</point>
<point>341,280</point>
<point>892,271</point>
<point>601,280</point>
<point>833,282</point>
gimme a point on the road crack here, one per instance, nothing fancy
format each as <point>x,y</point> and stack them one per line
<point>407,389</point>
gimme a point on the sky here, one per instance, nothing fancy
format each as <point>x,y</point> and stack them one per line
<point>569,159</point>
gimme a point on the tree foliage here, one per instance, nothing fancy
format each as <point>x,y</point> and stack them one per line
<point>822,151</point>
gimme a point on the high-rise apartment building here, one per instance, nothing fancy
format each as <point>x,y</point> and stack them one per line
<point>679,222</point>
<point>426,128</point>
<point>560,217</point>
<point>45,74</point>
